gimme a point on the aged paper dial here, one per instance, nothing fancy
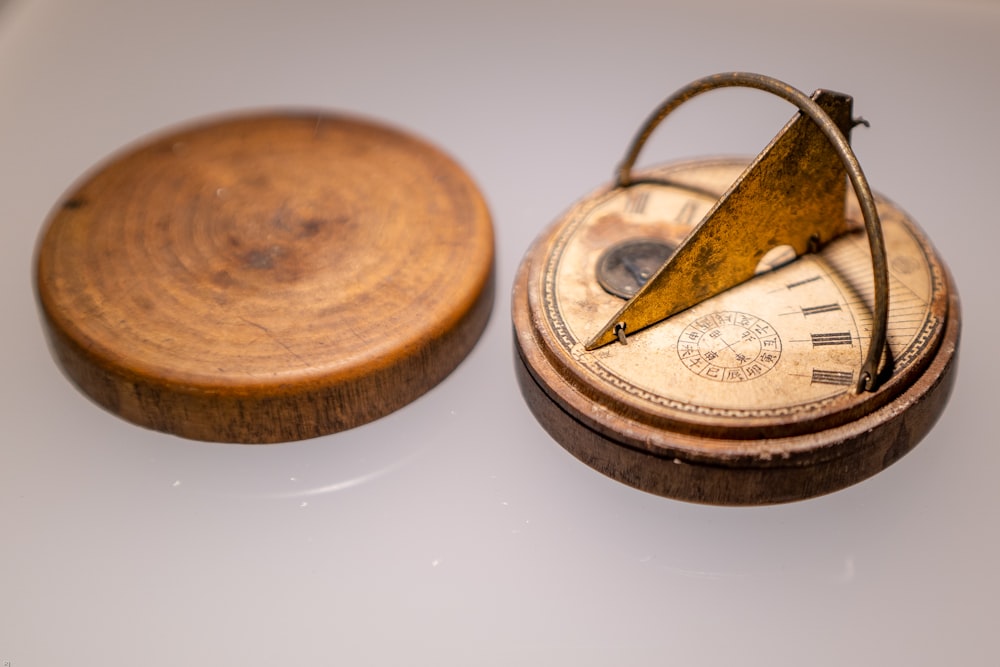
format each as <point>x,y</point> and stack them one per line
<point>759,381</point>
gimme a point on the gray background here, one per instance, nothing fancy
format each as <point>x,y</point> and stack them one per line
<point>455,531</point>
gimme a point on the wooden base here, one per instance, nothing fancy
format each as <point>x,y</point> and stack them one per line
<point>822,462</point>
<point>266,278</point>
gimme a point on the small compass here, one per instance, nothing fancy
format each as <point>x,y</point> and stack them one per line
<point>627,266</point>
<point>738,332</point>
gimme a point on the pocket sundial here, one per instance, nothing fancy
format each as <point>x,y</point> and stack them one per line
<point>734,332</point>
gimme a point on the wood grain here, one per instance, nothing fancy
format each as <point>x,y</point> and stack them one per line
<point>266,278</point>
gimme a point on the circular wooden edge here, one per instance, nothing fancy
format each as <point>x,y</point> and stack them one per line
<point>732,472</point>
<point>281,415</point>
<point>272,412</point>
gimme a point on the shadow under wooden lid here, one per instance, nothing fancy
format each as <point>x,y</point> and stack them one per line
<point>266,278</point>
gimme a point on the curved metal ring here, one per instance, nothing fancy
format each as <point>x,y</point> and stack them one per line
<point>869,368</point>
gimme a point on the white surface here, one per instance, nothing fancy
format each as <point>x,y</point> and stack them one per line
<point>455,531</point>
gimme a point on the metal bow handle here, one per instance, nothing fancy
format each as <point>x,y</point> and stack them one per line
<point>869,370</point>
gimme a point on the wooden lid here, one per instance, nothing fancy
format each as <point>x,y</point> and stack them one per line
<point>267,278</point>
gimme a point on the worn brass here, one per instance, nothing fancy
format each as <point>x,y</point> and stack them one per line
<point>793,194</point>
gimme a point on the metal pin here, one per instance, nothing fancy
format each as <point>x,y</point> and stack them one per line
<point>814,243</point>
<point>620,332</point>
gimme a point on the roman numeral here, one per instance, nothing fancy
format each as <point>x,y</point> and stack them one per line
<point>802,282</point>
<point>838,338</point>
<point>686,215</point>
<point>636,202</point>
<point>842,378</point>
<point>816,310</point>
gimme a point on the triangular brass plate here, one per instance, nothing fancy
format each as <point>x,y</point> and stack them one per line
<point>792,194</point>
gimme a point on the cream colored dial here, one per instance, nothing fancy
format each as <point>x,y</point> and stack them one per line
<point>783,348</point>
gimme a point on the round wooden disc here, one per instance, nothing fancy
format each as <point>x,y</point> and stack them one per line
<point>267,278</point>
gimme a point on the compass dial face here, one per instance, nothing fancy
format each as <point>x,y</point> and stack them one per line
<point>776,356</point>
<point>626,267</point>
